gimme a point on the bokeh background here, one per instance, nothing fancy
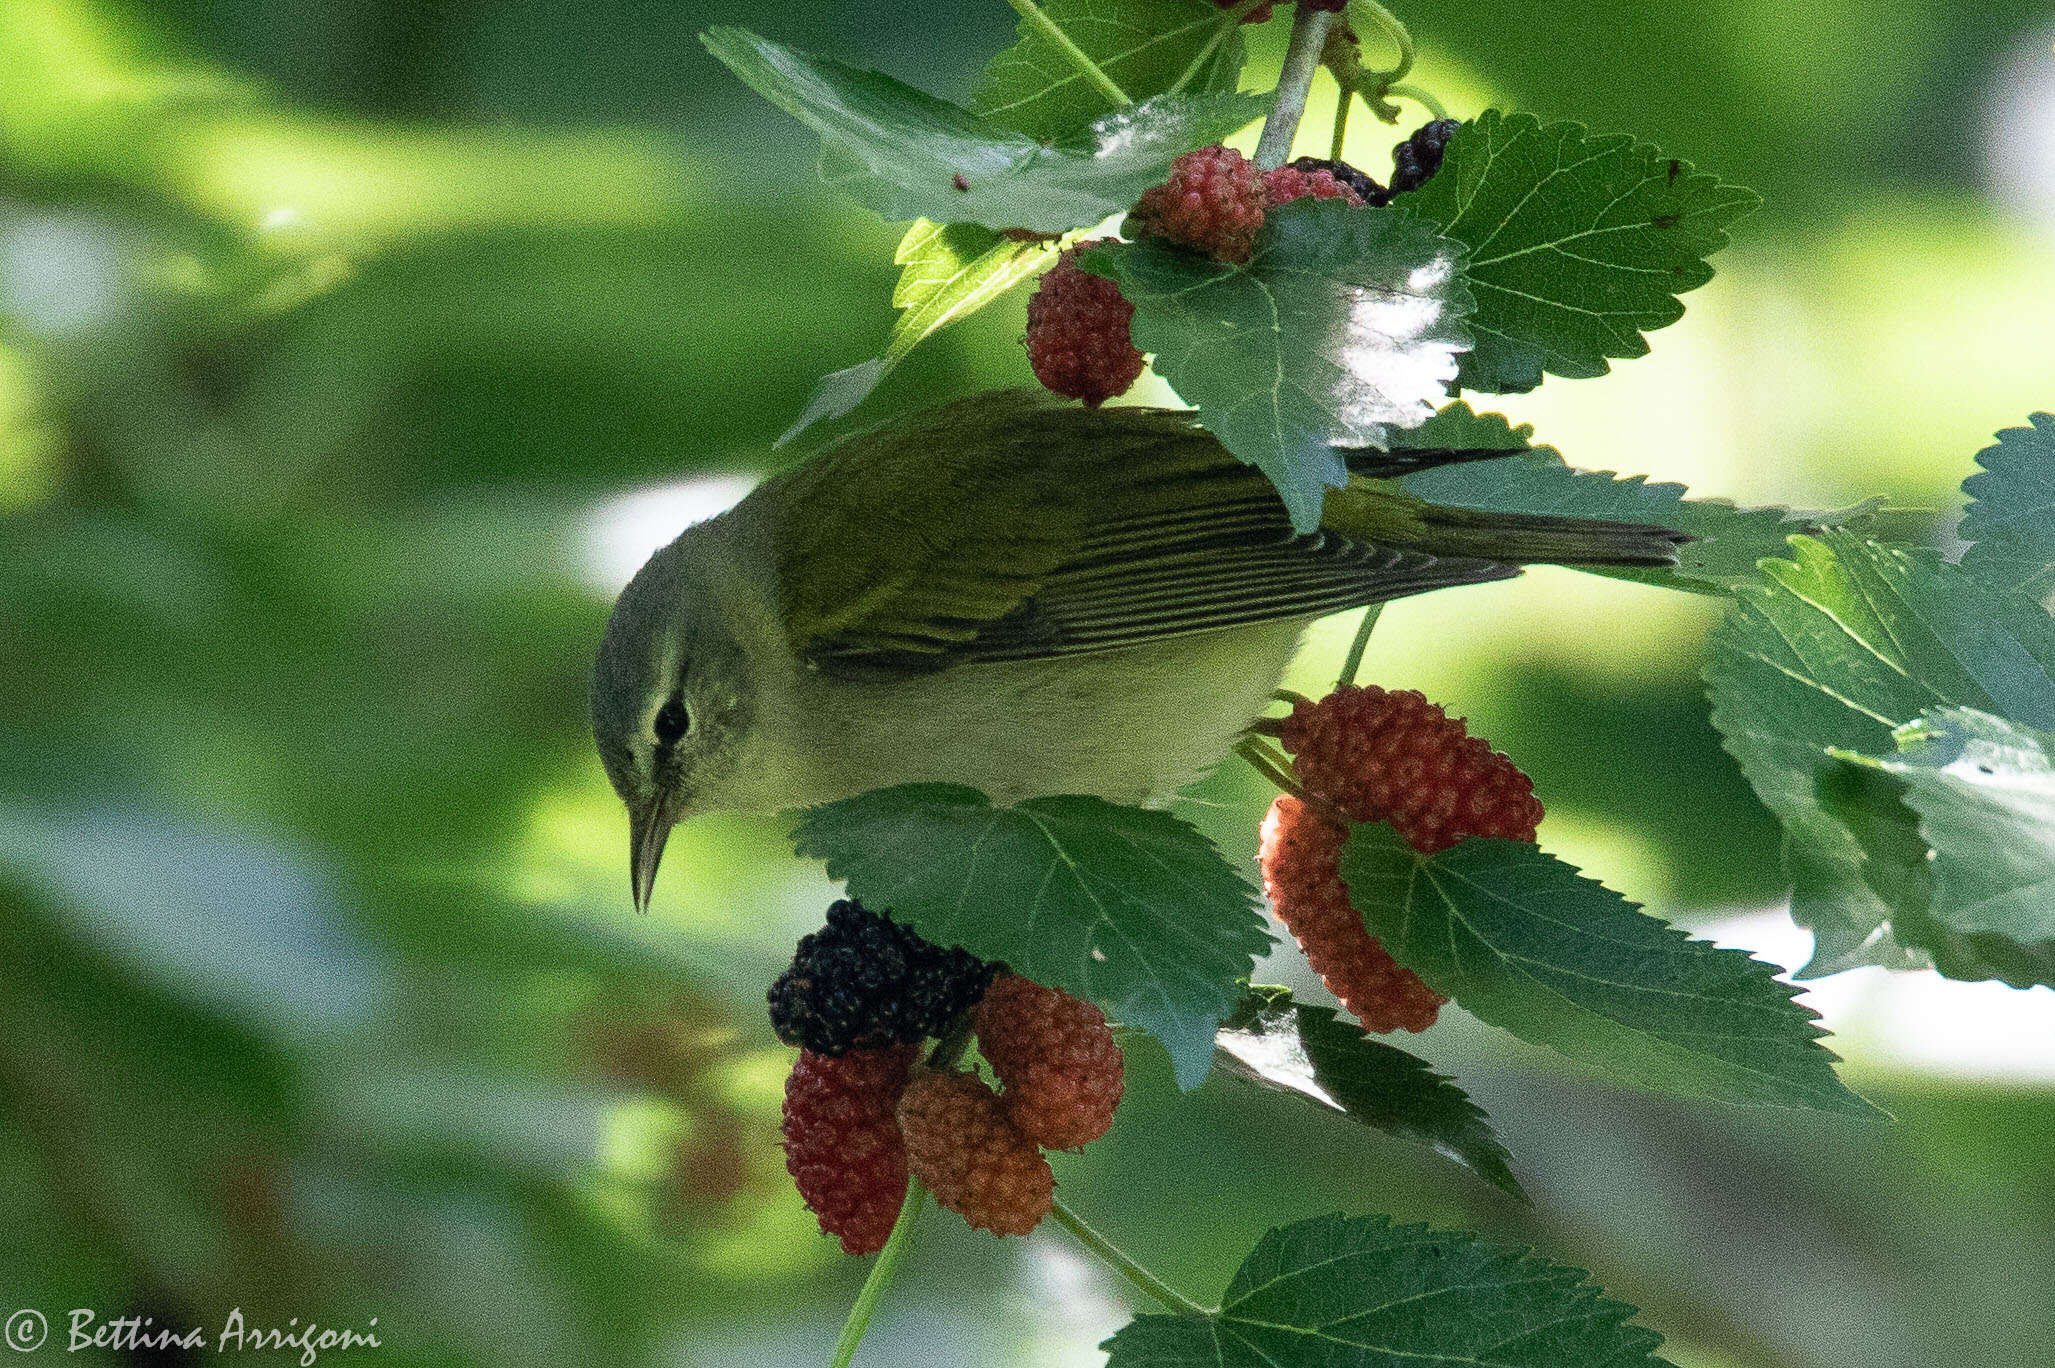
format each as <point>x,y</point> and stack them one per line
<point>352,355</point>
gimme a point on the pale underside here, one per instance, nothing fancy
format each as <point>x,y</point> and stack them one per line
<point>1131,726</point>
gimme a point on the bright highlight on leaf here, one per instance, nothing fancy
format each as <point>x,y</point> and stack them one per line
<point>1523,941</point>
<point>1579,243</point>
<point>1727,541</point>
<point>1306,1050</point>
<point>1338,1292</point>
<point>1126,907</point>
<point>908,155</point>
<point>1831,654</point>
<point>1343,328</point>
<point>952,271</point>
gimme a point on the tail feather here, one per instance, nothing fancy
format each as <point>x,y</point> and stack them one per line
<point>1360,511</point>
<point>1389,465</point>
<point>1534,538</point>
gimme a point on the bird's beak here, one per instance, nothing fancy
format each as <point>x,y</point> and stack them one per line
<point>647,834</point>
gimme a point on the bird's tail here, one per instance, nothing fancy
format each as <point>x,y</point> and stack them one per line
<point>1400,520</point>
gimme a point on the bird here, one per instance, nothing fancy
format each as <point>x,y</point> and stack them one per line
<point>1020,596</point>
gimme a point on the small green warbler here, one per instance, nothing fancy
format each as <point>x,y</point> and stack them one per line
<point>1013,595</point>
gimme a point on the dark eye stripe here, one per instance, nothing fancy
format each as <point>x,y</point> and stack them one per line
<point>672,722</point>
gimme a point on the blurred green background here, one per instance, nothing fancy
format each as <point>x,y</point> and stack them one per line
<point>351,356</point>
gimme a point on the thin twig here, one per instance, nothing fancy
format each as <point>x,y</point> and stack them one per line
<point>1393,30</point>
<point>1301,61</point>
<point>1110,1254</point>
<point>1420,97</point>
<point>1079,58</point>
<point>881,1275</point>
<point>1354,662</point>
<point>1274,768</point>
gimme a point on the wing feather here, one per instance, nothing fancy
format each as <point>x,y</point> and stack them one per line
<point>1007,528</point>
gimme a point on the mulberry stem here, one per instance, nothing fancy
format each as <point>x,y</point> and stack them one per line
<point>881,1275</point>
<point>1420,97</point>
<point>1394,30</point>
<point>1301,61</point>
<point>1109,1254</point>
<point>1354,663</point>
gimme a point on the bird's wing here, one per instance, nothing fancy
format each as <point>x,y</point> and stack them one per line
<point>1007,528</point>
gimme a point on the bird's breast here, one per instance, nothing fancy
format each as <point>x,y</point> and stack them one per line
<point>1131,726</point>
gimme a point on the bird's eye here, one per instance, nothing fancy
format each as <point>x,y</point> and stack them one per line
<point>672,722</point>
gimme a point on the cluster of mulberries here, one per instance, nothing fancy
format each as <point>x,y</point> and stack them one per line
<point>1060,1077</point>
<point>1373,755</point>
<point>1079,334</point>
<point>863,981</point>
<point>860,1114</point>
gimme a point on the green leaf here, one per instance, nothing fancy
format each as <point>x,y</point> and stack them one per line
<point>1343,328</point>
<point>951,271</point>
<point>1984,792</point>
<point>1128,907</point>
<point>1525,942</point>
<point>1456,425</point>
<point>1359,1292</point>
<point>1579,243</point>
<point>1035,88</point>
<point>909,155</point>
<point>1303,1049</point>
<point>2011,518</point>
<point>1831,653</point>
<point>1728,541</point>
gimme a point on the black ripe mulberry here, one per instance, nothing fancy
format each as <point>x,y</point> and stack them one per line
<point>1415,160</point>
<point>865,982</point>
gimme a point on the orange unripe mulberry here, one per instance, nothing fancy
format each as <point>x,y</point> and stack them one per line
<point>976,1162</point>
<point>1301,860</point>
<point>1383,756</point>
<point>1058,1063</point>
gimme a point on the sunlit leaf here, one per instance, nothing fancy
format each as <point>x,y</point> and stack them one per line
<point>2011,520</point>
<point>1128,907</point>
<point>908,155</point>
<point>1835,650</point>
<point>1359,1292</point>
<point>1304,1049</point>
<point>1143,46</point>
<point>951,271</point>
<point>1525,942</point>
<point>1579,243</point>
<point>1375,304</point>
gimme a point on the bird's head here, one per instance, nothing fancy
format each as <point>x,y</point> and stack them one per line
<point>670,702</point>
